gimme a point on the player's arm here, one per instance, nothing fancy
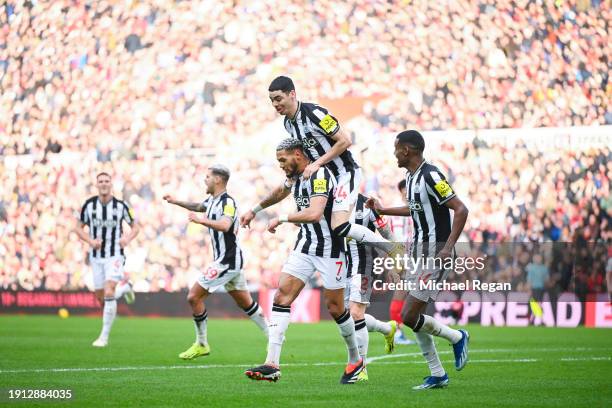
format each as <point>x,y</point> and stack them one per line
<point>343,142</point>
<point>224,224</point>
<point>197,207</point>
<point>84,236</point>
<point>310,215</point>
<point>460,214</point>
<point>276,196</point>
<point>375,205</point>
<point>128,216</point>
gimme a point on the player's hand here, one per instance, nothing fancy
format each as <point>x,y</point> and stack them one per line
<point>169,198</point>
<point>123,242</point>
<point>246,218</point>
<point>444,254</point>
<point>393,276</point>
<point>311,169</point>
<point>374,204</point>
<point>96,243</point>
<point>273,224</point>
<point>193,217</point>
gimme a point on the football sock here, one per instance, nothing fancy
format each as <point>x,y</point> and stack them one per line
<point>429,325</point>
<point>361,333</point>
<point>347,330</point>
<point>428,348</point>
<point>279,321</point>
<point>375,325</point>
<point>200,322</point>
<point>255,313</point>
<point>108,316</point>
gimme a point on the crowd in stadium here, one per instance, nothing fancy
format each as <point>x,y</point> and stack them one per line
<point>157,91</point>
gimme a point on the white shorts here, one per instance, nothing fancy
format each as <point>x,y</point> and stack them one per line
<point>347,190</point>
<point>106,269</point>
<point>218,274</point>
<point>358,289</point>
<point>303,267</point>
<point>421,276</point>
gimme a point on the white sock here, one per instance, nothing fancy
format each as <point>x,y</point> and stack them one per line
<point>375,325</point>
<point>363,235</point>
<point>279,321</point>
<point>200,322</point>
<point>347,330</point>
<point>428,348</point>
<point>108,316</point>
<point>361,333</point>
<point>255,313</point>
<point>121,289</point>
<point>429,325</point>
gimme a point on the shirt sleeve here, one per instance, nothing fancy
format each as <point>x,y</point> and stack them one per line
<point>320,183</point>
<point>438,187</point>
<point>324,121</point>
<point>128,214</point>
<point>229,208</point>
<point>84,217</point>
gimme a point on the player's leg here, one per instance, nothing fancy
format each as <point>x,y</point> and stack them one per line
<point>395,313</point>
<point>124,286</point>
<point>289,287</point>
<point>243,299</point>
<point>345,197</point>
<point>196,297</point>
<point>109,313</point>
<point>362,337</point>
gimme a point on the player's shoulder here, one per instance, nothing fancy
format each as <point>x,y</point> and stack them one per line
<point>429,168</point>
<point>313,109</point>
<point>90,200</point>
<point>121,202</point>
<point>361,199</point>
<point>226,197</point>
<point>323,172</point>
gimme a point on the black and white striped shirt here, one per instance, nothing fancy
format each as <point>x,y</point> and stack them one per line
<point>427,190</point>
<point>360,257</point>
<point>225,244</point>
<point>317,238</point>
<point>313,125</point>
<point>105,223</point>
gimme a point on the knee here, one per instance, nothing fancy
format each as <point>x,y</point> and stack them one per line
<point>193,299</point>
<point>334,307</point>
<point>410,318</point>
<point>282,297</point>
<point>356,312</point>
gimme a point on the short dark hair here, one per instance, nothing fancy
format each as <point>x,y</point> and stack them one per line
<point>221,171</point>
<point>401,185</point>
<point>412,139</point>
<point>103,173</point>
<point>281,83</point>
<point>290,144</point>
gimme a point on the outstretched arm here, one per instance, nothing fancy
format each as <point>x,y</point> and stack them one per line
<point>197,207</point>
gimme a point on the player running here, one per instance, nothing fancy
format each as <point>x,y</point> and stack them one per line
<point>226,269</point>
<point>360,280</point>
<point>316,249</point>
<point>103,215</point>
<point>326,144</point>
<point>429,199</point>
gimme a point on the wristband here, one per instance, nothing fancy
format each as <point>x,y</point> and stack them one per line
<point>283,218</point>
<point>257,208</point>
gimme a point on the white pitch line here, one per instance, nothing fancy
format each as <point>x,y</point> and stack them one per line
<point>222,366</point>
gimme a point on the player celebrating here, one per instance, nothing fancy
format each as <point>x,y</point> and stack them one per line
<point>360,261</point>
<point>226,268</point>
<point>316,249</point>
<point>326,144</point>
<point>103,215</point>
<point>429,199</point>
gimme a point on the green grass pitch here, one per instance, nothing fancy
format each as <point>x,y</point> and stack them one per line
<point>508,366</point>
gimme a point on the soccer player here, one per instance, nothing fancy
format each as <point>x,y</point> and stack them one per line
<point>316,249</point>
<point>103,215</point>
<point>326,144</point>
<point>226,269</point>
<point>430,198</point>
<point>360,280</point>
